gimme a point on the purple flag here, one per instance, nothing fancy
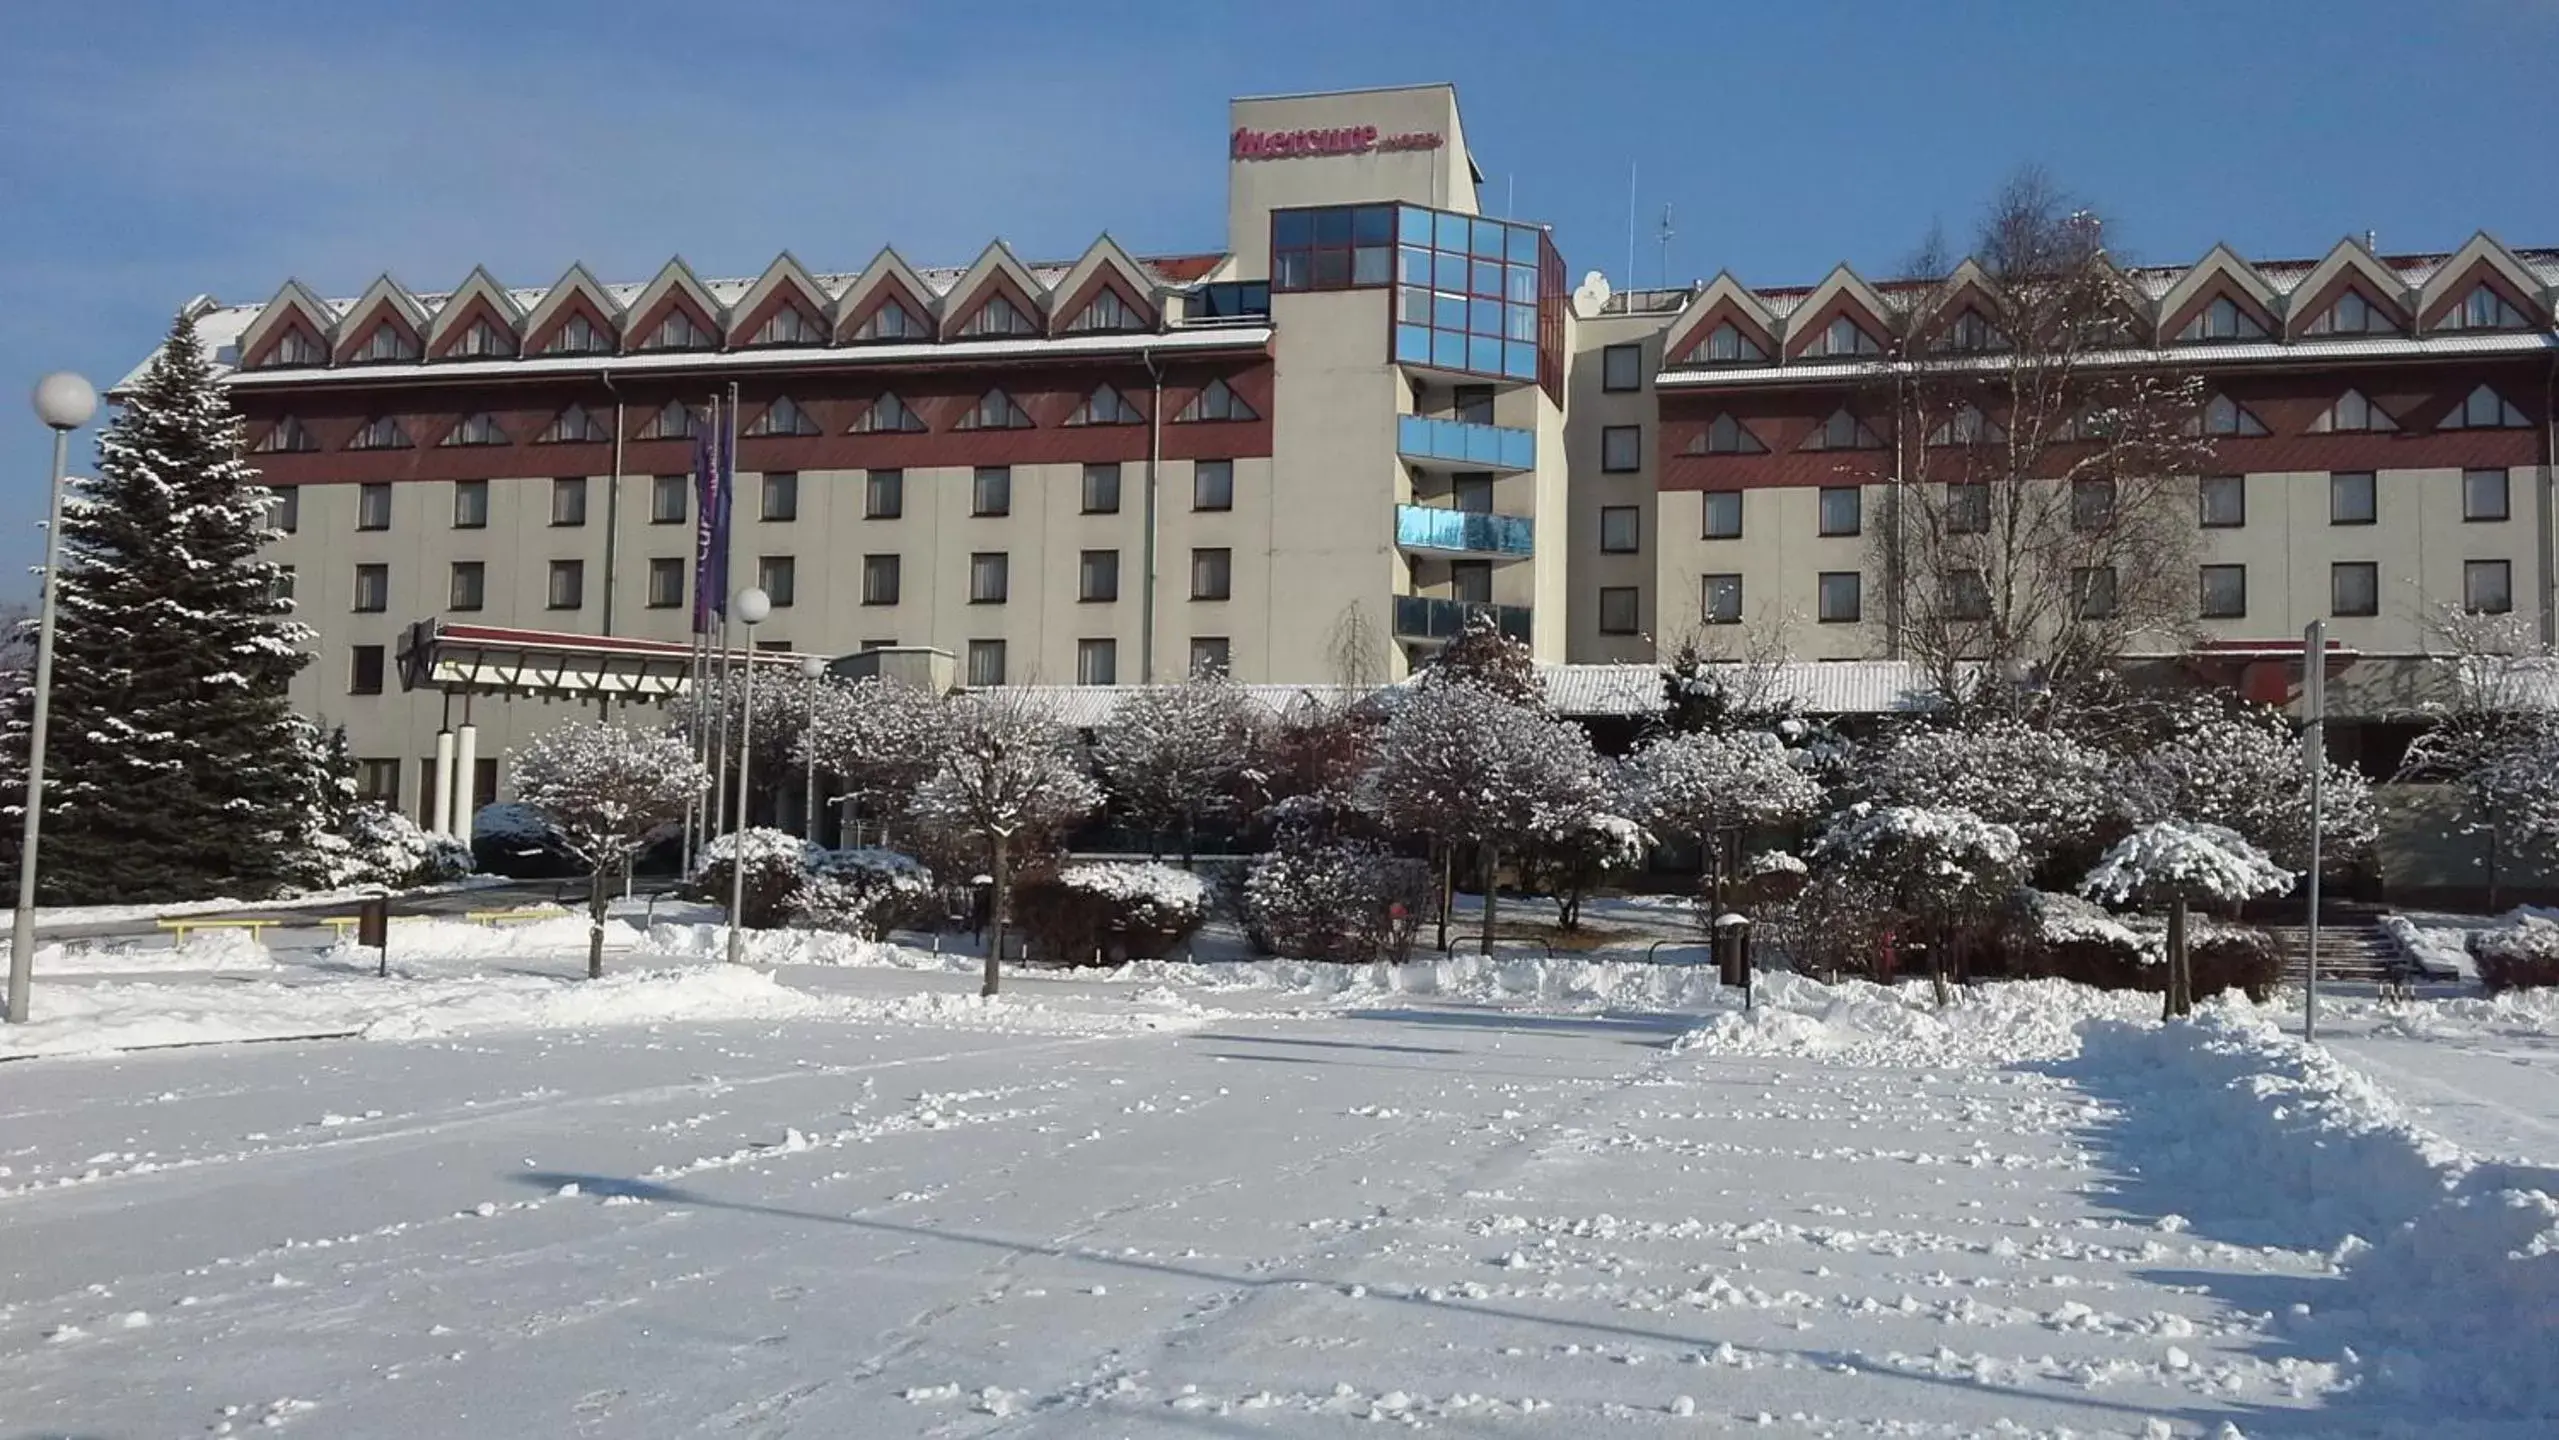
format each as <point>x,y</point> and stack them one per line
<point>710,533</point>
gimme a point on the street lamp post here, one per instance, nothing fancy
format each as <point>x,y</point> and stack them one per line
<point>64,402</point>
<point>811,667</point>
<point>751,606</point>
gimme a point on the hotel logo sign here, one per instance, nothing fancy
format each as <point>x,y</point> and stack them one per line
<point>1346,140</point>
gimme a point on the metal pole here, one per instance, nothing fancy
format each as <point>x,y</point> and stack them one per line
<point>22,926</point>
<point>2314,744</point>
<point>720,746</point>
<point>737,847</point>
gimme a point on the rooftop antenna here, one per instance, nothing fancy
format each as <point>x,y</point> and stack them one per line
<point>2372,241</point>
<point>1666,233</point>
<point>1630,225</point>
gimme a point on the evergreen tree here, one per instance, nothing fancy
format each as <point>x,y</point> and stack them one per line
<point>176,769</point>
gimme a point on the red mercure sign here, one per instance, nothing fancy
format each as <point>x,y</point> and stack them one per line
<point>1346,140</point>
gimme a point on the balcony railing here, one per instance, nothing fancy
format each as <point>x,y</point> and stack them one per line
<point>1419,617</point>
<point>1465,444</point>
<point>1470,532</point>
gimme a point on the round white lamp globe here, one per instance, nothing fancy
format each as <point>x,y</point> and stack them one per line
<point>753,605</point>
<point>65,401</point>
<point>812,666</point>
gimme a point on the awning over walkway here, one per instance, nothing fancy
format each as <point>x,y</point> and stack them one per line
<point>500,660</point>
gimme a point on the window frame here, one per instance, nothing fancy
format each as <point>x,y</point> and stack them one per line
<point>1707,585</point>
<point>568,501</point>
<point>879,481</point>
<point>1225,661</point>
<point>2204,590</point>
<point>478,573</point>
<point>2470,513</point>
<point>979,649</point>
<point>1087,648</point>
<point>1097,564</point>
<point>1825,527</point>
<point>785,483</point>
<point>358,657</point>
<point>1706,518</point>
<point>657,599</point>
<point>1633,356</point>
<point>778,576</point>
<point>2370,572</point>
<point>1220,560</point>
<point>1098,470</point>
<point>1822,610</point>
<point>875,566</point>
<point>2205,486</point>
<point>2371,493</point>
<point>2082,586</point>
<point>660,487</point>
<point>367,574</point>
<point>1631,621</point>
<point>1609,436</point>
<point>1633,517</point>
<point>468,516</point>
<point>575,570</point>
<point>2088,517</point>
<point>366,508</point>
<point>995,563</point>
<point>2504,570</point>
<point>1224,467</point>
<point>994,480</point>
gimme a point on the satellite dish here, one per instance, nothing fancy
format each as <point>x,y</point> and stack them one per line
<point>1590,295</point>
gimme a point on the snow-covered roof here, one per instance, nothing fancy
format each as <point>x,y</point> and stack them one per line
<point>2374,347</point>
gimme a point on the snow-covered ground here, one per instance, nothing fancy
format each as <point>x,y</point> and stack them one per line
<point>1516,1197</point>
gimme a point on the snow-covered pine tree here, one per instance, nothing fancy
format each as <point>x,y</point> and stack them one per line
<point>176,768</point>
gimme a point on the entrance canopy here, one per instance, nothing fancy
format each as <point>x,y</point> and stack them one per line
<point>501,660</point>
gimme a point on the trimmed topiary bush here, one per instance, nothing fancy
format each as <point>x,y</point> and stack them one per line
<point>2520,956</point>
<point>1344,900</point>
<point>1109,914</point>
<point>775,862</point>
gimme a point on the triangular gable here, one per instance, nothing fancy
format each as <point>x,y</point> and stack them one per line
<point>287,436</point>
<point>383,302</point>
<point>1968,288</point>
<point>784,417</point>
<point>2347,266</point>
<point>478,297</point>
<point>995,410</point>
<point>575,425</point>
<point>784,282</point>
<point>887,279</point>
<point>675,287</point>
<point>575,292</point>
<point>1842,292</point>
<point>2353,413</point>
<point>1725,435</point>
<point>293,310</point>
<point>995,272</point>
<point>2222,415</point>
<point>1106,406</point>
<point>2482,260</point>
<point>1724,300</point>
<point>2220,273</point>
<point>1105,266</point>
<point>1216,401</point>
<point>675,420</point>
<point>888,415</point>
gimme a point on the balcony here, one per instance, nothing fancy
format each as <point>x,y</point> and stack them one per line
<point>1419,617</point>
<point>1463,532</point>
<point>1463,445</point>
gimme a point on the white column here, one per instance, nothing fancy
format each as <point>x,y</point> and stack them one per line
<point>440,806</point>
<point>466,759</point>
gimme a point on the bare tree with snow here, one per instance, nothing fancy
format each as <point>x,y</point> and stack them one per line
<point>609,789</point>
<point>880,738</point>
<point>2181,863</point>
<point>2494,733</point>
<point>1172,754</point>
<point>1714,788</point>
<point>1007,769</point>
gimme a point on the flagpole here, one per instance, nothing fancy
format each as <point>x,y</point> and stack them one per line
<point>721,821</point>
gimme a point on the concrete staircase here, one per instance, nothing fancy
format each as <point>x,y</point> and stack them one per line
<point>2353,948</point>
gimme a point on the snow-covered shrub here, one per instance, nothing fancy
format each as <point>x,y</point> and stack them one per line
<point>1773,877</point>
<point>775,861</point>
<point>521,843</point>
<point>1940,875</point>
<point>2052,790</point>
<point>1109,913</point>
<point>864,892</point>
<point>2067,938</point>
<point>383,847</point>
<point>2522,955</point>
<point>2199,862</point>
<point>1342,900</point>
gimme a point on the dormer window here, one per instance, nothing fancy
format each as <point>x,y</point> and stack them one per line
<point>1843,337</point>
<point>483,340</point>
<point>296,348</point>
<point>2483,309</point>
<point>2225,416</point>
<point>1108,312</point>
<point>2485,409</point>
<point>995,410</point>
<point>2222,320</point>
<point>891,321</point>
<point>382,432</point>
<point>1843,431</point>
<point>579,336</point>
<point>2353,314</point>
<point>479,429</point>
<point>1727,345</point>
<point>784,417</point>
<point>678,421</point>
<point>1105,406</point>
<point>889,415</point>
<point>998,316</point>
<point>387,344</point>
<point>575,426</point>
<point>1971,334</point>
<point>1218,401</point>
<point>678,331</point>
<point>2352,414</point>
<point>286,437</point>
<point>1968,426</point>
<point>790,325</point>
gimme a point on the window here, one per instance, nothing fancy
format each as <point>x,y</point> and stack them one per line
<point>1840,509</point>
<point>1210,655</point>
<point>1471,404</point>
<point>1723,515</point>
<point>2354,588</point>
<point>892,321</point>
<point>2350,498</point>
<point>1102,489</point>
<point>1843,337</point>
<point>296,348</point>
<point>1721,597</point>
<point>883,494</point>
<point>1972,334</point>
<point>790,325</point>
<point>2092,504</point>
<point>2225,416</point>
<point>1727,345</point>
<point>378,780</point>
<point>670,499</point>
<point>1471,294</point>
<point>1212,574</point>
<point>1967,426</point>
<point>1621,367</point>
<point>372,507</point>
<point>575,426</point>
<point>1968,595</point>
<point>1727,436</point>
<point>578,335</point>
<point>2483,495</point>
<point>991,490</point>
<point>568,585</point>
<point>1621,529</point>
<point>990,577</point>
<point>784,417</point>
<point>666,583</point>
<point>1231,300</point>
<point>284,511</point>
<point>364,671</point>
<point>1335,248</point>
<point>674,421</point>
<point>995,410</point>
<point>679,331</point>
<point>889,415</point>
<point>998,316</point>
<point>1620,609</point>
<point>1621,448</point>
<point>1212,484</point>
<point>2092,591</point>
<point>1217,401</point>
<point>568,500</point>
<point>1471,581</point>
<point>1105,406</point>
<point>2225,591</point>
<point>1108,312</point>
<point>287,436</point>
<point>879,579</point>
<point>382,432</point>
<point>1097,662</point>
<point>1098,577</point>
<point>1839,597</point>
<point>2483,309</point>
<point>484,339</point>
<point>388,342</point>
<point>470,586</point>
<point>779,499</point>
<point>282,589</point>
<point>2352,412</point>
<point>2484,409</point>
<point>470,504</point>
<point>1843,431</point>
<point>986,662</point>
<point>778,577</point>
<point>1471,493</point>
<point>2353,314</point>
<point>372,589</point>
<point>2487,587</point>
<point>1968,509</point>
<point>2222,320</point>
<point>2221,501</point>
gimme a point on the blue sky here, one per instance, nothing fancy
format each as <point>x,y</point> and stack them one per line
<point>162,150</point>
